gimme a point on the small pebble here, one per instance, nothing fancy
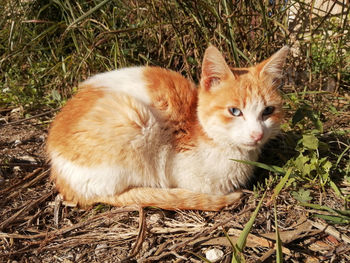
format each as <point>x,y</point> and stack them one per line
<point>214,254</point>
<point>17,142</point>
<point>16,169</point>
<point>16,110</point>
<point>154,219</point>
<point>27,158</point>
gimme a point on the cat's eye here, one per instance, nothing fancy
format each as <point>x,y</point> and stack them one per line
<point>235,112</point>
<point>268,110</point>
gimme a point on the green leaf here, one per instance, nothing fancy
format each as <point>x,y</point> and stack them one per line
<point>279,254</point>
<point>327,166</point>
<point>199,256</point>
<point>310,141</point>
<point>336,216</point>
<point>333,109</point>
<point>300,162</point>
<point>243,236</point>
<point>302,195</point>
<point>228,238</point>
<point>334,219</point>
<point>324,147</point>
<point>341,155</point>
<point>307,168</point>
<point>56,95</point>
<point>281,184</point>
<point>92,10</point>
<point>317,122</point>
<point>345,213</point>
<point>317,207</point>
<point>347,178</point>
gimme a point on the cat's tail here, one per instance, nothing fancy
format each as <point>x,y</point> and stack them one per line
<point>172,199</point>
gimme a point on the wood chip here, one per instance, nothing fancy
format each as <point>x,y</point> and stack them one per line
<point>331,231</point>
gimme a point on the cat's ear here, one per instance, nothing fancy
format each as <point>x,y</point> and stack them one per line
<point>273,66</point>
<point>214,68</point>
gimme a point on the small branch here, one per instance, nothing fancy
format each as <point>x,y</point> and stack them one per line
<point>29,176</point>
<point>140,237</point>
<point>30,118</point>
<point>23,164</point>
<point>24,186</point>
<point>29,206</point>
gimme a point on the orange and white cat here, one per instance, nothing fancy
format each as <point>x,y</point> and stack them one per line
<point>148,136</point>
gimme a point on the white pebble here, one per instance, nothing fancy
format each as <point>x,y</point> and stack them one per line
<point>154,219</point>
<point>16,169</point>
<point>16,110</point>
<point>27,158</point>
<point>214,254</point>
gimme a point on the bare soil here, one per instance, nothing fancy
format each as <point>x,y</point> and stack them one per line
<point>37,226</point>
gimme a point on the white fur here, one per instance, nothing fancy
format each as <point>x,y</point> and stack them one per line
<point>105,180</point>
<point>91,181</point>
<point>208,169</point>
<point>126,80</point>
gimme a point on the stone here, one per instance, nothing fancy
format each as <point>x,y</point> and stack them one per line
<point>214,254</point>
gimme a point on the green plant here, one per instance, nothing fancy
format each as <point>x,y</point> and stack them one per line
<point>237,255</point>
<point>48,47</point>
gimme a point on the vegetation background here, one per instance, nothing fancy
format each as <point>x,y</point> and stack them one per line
<point>48,46</point>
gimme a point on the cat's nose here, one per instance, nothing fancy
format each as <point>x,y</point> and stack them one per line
<point>257,136</point>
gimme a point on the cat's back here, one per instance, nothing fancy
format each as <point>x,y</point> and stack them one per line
<point>153,86</point>
<point>130,106</point>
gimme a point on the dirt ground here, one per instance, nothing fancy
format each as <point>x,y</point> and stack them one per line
<point>37,226</point>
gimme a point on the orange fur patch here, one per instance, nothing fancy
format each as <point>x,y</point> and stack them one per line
<point>95,123</point>
<point>65,124</point>
<point>175,98</point>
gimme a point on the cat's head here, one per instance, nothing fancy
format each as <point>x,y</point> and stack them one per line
<point>240,106</point>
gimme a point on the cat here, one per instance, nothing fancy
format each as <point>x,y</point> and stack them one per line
<point>147,136</point>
